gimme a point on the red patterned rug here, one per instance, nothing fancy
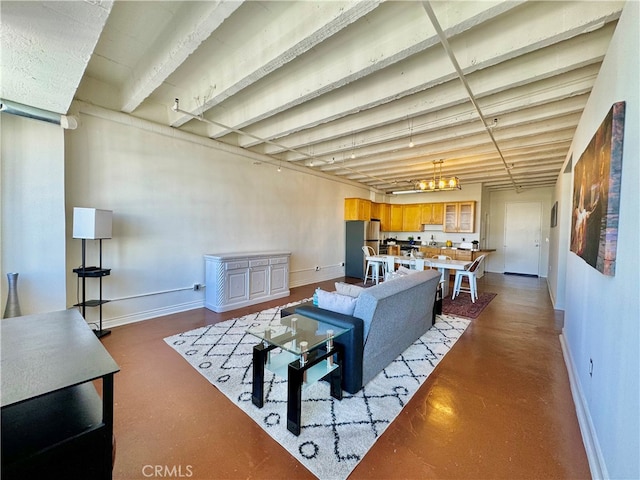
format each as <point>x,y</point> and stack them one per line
<point>462,306</point>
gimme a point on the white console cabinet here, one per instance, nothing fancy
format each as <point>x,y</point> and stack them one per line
<point>236,280</point>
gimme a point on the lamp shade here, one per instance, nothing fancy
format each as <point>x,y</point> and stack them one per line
<point>91,223</point>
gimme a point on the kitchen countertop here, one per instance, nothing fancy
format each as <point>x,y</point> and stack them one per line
<point>404,244</point>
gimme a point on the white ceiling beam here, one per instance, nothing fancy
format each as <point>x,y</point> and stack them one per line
<point>481,160</point>
<point>468,147</point>
<point>281,32</point>
<point>182,37</point>
<point>45,71</point>
<point>533,120</point>
<point>342,133</point>
<point>389,36</point>
<point>567,56</point>
<point>456,122</point>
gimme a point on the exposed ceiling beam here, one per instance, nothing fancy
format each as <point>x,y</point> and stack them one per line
<point>461,75</point>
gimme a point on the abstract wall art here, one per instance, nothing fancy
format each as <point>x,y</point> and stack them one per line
<point>596,194</point>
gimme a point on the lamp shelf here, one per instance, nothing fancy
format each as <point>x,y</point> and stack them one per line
<point>91,303</point>
<point>92,272</point>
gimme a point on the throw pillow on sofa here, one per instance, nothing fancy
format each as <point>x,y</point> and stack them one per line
<point>336,303</point>
<point>348,289</point>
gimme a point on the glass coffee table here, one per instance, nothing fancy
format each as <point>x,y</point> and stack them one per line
<point>306,356</point>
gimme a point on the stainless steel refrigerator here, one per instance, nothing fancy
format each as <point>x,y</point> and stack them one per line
<point>359,233</point>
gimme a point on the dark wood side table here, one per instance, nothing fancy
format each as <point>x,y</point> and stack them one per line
<point>54,423</point>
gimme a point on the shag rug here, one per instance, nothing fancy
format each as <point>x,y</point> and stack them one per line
<point>462,306</point>
<point>335,435</point>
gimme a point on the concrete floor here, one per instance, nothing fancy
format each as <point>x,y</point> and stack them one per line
<point>498,406</point>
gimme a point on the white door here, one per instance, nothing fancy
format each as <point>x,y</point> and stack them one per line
<point>522,237</point>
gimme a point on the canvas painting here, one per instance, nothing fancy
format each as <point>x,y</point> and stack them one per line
<point>596,194</point>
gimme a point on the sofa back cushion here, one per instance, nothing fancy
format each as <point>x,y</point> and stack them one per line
<point>391,299</point>
<point>394,318</point>
<point>336,302</point>
<point>349,289</point>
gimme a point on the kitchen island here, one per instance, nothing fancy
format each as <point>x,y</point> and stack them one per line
<point>429,251</point>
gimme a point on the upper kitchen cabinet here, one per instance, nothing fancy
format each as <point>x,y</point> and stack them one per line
<point>382,211</point>
<point>432,213</point>
<point>459,217</point>
<point>357,209</point>
<point>396,218</point>
<point>412,218</point>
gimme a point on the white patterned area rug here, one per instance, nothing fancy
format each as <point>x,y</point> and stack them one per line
<point>335,435</point>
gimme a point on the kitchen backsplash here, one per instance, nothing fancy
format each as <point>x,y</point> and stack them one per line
<point>438,236</point>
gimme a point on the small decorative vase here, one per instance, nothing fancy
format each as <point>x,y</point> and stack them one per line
<point>13,304</point>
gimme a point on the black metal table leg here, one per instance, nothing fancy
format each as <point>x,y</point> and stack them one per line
<point>335,380</point>
<point>259,360</point>
<point>294,396</point>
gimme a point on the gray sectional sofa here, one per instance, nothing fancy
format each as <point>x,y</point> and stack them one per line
<point>387,319</point>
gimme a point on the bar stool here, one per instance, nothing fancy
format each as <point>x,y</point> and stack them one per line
<point>372,270</point>
<point>470,275</point>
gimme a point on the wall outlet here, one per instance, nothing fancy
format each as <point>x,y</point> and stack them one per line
<point>317,268</point>
<point>196,287</point>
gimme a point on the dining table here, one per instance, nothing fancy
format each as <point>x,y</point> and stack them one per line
<point>444,266</point>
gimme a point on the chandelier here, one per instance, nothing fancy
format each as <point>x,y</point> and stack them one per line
<point>438,182</point>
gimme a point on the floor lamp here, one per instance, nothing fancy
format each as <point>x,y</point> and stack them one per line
<point>92,224</point>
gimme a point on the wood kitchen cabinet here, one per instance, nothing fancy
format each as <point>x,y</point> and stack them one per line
<point>430,251</point>
<point>462,255</point>
<point>384,214</point>
<point>357,209</point>
<point>396,218</point>
<point>412,218</point>
<point>455,217</point>
<point>432,213</point>
<point>375,210</point>
<point>459,217</point>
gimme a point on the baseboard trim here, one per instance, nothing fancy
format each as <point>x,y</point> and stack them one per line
<point>149,314</point>
<point>589,438</point>
<point>533,275</point>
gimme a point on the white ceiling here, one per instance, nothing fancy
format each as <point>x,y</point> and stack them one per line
<point>493,88</point>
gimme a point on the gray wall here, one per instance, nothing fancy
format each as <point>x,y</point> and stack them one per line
<point>177,197</point>
<point>33,212</point>
<point>602,313</point>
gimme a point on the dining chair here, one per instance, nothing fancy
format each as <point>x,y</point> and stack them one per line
<point>372,270</point>
<point>471,275</point>
<point>440,288</point>
<point>390,267</point>
<point>441,257</point>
